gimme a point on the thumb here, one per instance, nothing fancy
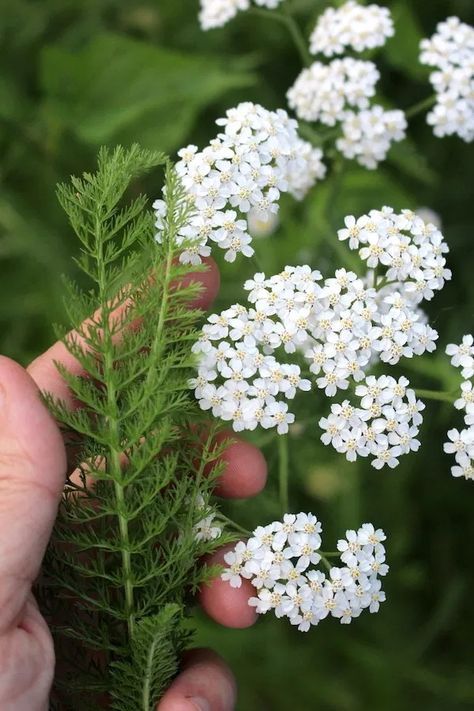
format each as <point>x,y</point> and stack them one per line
<point>32,469</point>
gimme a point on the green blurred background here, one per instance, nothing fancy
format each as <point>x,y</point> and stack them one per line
<point>79,73</point>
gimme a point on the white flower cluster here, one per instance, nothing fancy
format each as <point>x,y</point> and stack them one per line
<point>258,156</point>
<point>322,92</point>
<point>328,93</point>
<point>278,560</point>
<point>340,325</point>
<point>352,25</point>
<point>384,425</point>
<point>451,51</point>
<point>461,443</point>
<point>369,134</point>
<point>216,13</point>
<point>411,250</point>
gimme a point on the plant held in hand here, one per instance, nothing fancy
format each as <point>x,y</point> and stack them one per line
<point>129,535</point>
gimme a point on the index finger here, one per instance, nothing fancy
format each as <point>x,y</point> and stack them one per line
<point>45,373</point>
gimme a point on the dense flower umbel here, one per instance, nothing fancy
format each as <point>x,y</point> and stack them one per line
<point>352,25</point>
<point>258,156</point>
<point>384,425</point>
<point>279,561</point>
<point>323,92</point>
<point>410,250</point>
<point>461,443</point>
<point>248,356</point>
<point>216,13</point>
<point>369,134</point>
<point>451,51</point>
<point>340,91</point>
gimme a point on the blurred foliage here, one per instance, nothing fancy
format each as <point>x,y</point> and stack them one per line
<point>78,73</point>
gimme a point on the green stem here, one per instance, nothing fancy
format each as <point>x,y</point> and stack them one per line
<point>147,701</point>
<point>283,461</point>
<point>325,562</point>
<point>288,21</point>
<point>298,38</point>
<point>421,106</point>
<point>115,449</point>
<point>258,264</point>
<point>435,395</point>
<point>226,519</point>
<point>330,554</point>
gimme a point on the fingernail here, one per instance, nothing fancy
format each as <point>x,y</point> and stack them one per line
<point>200,703</point>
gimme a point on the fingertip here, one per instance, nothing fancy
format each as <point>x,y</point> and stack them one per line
<point>225,604</point>
<point>211,281</point>
<point>205,684</point>
<point>245,472</point>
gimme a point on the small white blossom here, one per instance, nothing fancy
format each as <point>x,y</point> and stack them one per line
<point>451,51</point>
<point>369,134</point>
<point>276,560</point>
<point>384,425</point>
<point>462,355</point>
<point>205,531</point>
<point>351,25</point>
<point>323,92</point>
<point>257,156</point>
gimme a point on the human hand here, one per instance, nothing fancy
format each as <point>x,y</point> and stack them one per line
<point>33,464</point>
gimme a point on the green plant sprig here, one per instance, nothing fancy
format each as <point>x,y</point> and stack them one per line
<point>124,559</point>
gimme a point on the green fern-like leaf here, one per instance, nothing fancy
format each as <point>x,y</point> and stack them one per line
<point>124,557</point>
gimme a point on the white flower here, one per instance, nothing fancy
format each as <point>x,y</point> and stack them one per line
<point>216,13</point>
<point>462,356</point>
<point>464,466</point>
<point>306,596</point>
<point>377,595</point>
<point>323,92</point>
<point>261,224</point>
<point>460,441</point>
<point>205,531</point>
<point>351,25</point>
<point>466,401</point>
<point>257,156</point>
<point>369,133</point>
<point>451,51</point>
<point>384,425</point>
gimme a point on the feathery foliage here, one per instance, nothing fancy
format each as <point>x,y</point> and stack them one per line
<point>124,557</point>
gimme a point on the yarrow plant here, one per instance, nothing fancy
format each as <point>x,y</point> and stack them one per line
<point>135,518</point>
<point>138,516</point>
<point>280,560</point>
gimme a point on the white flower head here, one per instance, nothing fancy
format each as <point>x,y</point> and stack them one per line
<point>257,156</point>
<point>358,27</point>
<point>288,585</point>
<point>451,51</point>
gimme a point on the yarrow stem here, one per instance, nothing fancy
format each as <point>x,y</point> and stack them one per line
<point>292,27</point>
<point>435,395</point>
<point>421,106</point>
<point>283,461</point>
<point>225,519</point>
<point>114,446</point>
